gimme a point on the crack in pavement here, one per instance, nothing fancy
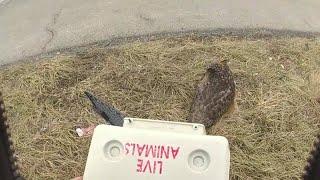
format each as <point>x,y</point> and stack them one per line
<point>4,2</point>
<point>49,29</point>
<point>307,23</point>
<point>146,18</point>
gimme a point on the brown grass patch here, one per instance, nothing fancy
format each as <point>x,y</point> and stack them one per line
<point>270,133</point>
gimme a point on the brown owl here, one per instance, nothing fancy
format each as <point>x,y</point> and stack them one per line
<point>214,95</point>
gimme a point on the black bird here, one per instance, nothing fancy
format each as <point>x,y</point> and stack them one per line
<point>108,112</point>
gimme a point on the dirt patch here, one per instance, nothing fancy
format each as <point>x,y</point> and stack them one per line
<point>270,132</point>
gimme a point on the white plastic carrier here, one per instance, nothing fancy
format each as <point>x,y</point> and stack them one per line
<point>145,149</point>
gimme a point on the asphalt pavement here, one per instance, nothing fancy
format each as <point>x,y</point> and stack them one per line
<point>30,27</point>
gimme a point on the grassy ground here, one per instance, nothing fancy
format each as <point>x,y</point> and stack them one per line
<point>270,133</point>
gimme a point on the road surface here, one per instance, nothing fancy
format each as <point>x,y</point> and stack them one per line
<point>30,27</point>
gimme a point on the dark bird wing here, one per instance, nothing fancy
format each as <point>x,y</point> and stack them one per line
<point>108,112</point>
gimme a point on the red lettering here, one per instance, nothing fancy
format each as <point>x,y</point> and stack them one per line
<point>148,165</point>
<point>150,149</point>
<point>154,166</point>
<point>139,165</point>
<point>164,152</point>
<point>127,148</point>
<point>140,149</point>
<point>133,148</point>
<point>174,152</point>
<point>160,169</point>
<point>158,151</point>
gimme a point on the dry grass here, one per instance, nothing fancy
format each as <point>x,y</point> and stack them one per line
<point>270,133</point>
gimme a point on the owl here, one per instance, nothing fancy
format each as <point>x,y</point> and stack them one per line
<point>214,95</point>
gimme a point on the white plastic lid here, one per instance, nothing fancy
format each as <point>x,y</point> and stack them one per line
<point>119,153</point>
<point>169,126</point>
